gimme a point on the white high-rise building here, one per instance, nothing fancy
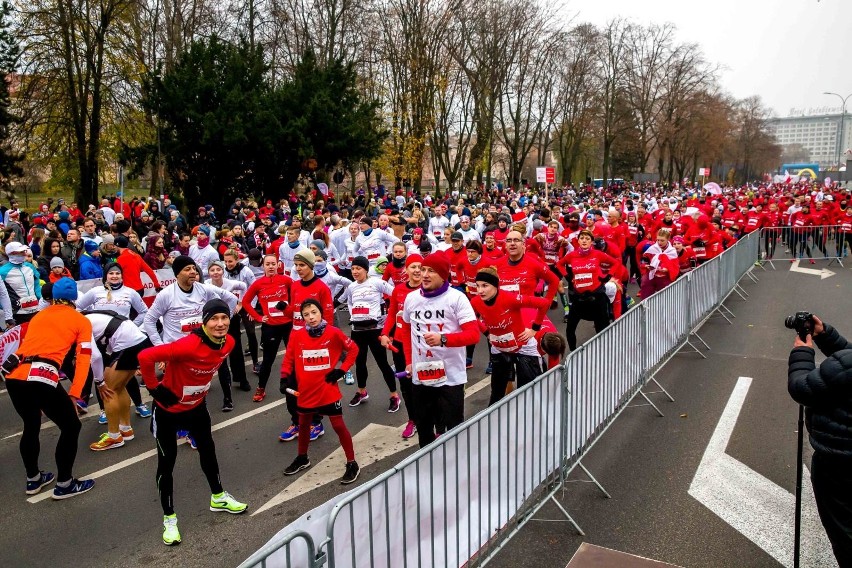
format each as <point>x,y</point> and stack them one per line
<point>817,132</point>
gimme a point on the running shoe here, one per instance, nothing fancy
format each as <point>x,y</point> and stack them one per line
<point>191,441</point>
<point>359,398</point>
<point>813,261</point>
<point>255,368</point>
<point>349,378</point>
<point>224,501</point>
<point>247,353</point>
<point>351,474</point>
<point>171,534</point>
<point>45,479</point>
<point>317,430</point>
<point>245,387</point>
<point>300,463</point>
<point>102,419</point>
<point>82,407</point>
<point>143,411</point>
<point>289,434</point>
<point>468,364</point>
<point>182,434</point>
<point>128,434</point>
<point>227,406</point>
<point>410,430</point>
<point>107,443</point>
<point>259,394</point>
<point>394,404</point>
<point>488,368</point>
<point>76,487</point>
<point>630,302</point>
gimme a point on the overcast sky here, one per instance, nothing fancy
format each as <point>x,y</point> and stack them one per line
<point>787,51</point>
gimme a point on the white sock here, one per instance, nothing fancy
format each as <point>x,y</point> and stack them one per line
<point>125,427</point>
<point>114,435</point>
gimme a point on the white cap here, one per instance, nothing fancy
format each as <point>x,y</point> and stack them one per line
<point>16,247</point>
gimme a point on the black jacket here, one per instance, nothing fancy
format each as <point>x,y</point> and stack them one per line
<point>826,392</point>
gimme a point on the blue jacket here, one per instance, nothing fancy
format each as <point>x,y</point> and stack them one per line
<point>90,267</point>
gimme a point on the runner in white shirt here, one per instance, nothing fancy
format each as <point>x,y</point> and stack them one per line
<point>372,243</point>
<point>468,232</point>
<point>179,304</point>
<point>237,368</point>
<point>438,223</point>
<point>438,323</point>
<point>347,251</point>
<point>113,296</point>
<point>203,254</point>
<point>365,298</point>
<point>290,248</point>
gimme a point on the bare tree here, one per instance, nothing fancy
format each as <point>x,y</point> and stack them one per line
<point>612,64</point>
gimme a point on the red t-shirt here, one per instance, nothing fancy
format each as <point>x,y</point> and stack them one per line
<point>270,291</point>
<point>301,291</point>
<point>312,358</point>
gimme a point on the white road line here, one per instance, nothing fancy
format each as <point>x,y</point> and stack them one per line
<point>151,453</point>
<point>752,504</point>
<point>372,444</point>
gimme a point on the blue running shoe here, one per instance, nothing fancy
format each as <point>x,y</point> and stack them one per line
<point>182,433</point>
<point>102,419</point>
<point>76,487</point>
<point>45,478</point>
<point>143,411</point>
<point>191,442</point>
<point>289,434</point>
<point>317,430</point>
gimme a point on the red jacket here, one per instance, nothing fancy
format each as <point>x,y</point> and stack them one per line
<point>457,261</point>
<point>270,291</point>
<point>132,265</point>
<point>522,277</point>
<point>311,358</point>
<point>394,319</point>
<point>586,268</point>
<point>191,364</point>
<point>503,319</point>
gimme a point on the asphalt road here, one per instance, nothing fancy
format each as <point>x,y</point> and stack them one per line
<point>647,463</point>
<point>119,522</point>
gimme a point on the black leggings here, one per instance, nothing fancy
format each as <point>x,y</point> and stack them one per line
<point>404,382</point>
<point>770,238</point>
<point>30,399</point>
<point>271,337</point>
<point>369,339</point>
<point>251,338</point>
<point>165,426</point>
<point>234,369</point>
<point>591,306</point>
<point>506,367</point>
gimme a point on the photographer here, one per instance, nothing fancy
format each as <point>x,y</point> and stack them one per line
<point>825,394</point>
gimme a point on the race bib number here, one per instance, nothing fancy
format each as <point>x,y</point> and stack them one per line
<point>373,256</point>
<point>193,394</point>
<point>431,373</point>
<point>550,258</point>
<point>583,280</point>
<point>511,287</point>
<point>297,318</point>
<point>42,372</point>
<point>399,320</point>
<point>29,302</point>
<point>360,310</point>
<point>273,311</point>
<point>700,252</point>
<point>505,342</point>
<point>316,360</point>
<point>189,324</point>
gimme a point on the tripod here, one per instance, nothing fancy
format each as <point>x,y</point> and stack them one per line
<point>797,524</point>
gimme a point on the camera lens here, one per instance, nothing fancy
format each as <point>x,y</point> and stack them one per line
<point>790,322</point>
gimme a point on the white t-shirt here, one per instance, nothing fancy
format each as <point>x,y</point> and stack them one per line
<point>437,226</point>
<point>126,335</point>
<point>236,287</point>
<point>437,366</point>
<point>286,254</point>
<point>203,257</point>
<point>365,300</point>
<point>119,301</point>
<point>373,245</point>
<point>181,311</point>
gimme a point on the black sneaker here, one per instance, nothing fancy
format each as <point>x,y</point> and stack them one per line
<point>352,471</point>
<point>247,353</point>
<point>245,387</point>
<point>359,398</point>
<point>300,463</point>
<point>394,404</point>
<point>227,406</point>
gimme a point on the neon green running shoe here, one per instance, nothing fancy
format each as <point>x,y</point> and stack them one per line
<point>171,535</point>
<point>225,502</point>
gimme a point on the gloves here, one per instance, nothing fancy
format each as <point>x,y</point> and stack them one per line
<point>164,396</point>
<point>288,382</point>
<point>10,323</point>
<point>334,375</point>
<point>281,306</point>
<point>698,243</point>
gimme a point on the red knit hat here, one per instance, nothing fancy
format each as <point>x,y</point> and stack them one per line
<point>412,258</point>
<point>439,263</point>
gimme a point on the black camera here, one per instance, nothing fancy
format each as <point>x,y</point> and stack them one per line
<point>802,322</point>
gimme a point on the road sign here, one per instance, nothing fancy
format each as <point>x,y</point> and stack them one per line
<point>704,172</point>
<point>551,175</point>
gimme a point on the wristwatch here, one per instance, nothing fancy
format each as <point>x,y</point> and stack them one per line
<point>443,340</point>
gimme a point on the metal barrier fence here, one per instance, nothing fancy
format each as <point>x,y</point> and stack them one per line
<point>826,242</point>
<point>458,501</point>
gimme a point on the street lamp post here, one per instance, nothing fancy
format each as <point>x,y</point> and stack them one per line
<point>840,135</point>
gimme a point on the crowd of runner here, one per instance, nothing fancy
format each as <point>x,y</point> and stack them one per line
<point>417,280</point>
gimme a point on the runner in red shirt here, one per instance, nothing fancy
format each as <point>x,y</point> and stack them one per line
<point>491,252</point>
<point>554,247</point>
<point>179,397</point>
<point>844,232</point>
<point>310,369</point>
<point>685,255</point>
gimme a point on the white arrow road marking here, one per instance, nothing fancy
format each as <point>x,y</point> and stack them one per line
<point>373,443</point>
<point>752,504</point>
<point>151,453</point>
<point>823,274</point>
